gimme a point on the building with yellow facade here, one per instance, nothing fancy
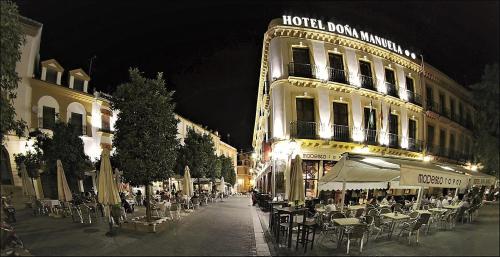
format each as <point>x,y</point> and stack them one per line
<point>326,89</point>
<point>245,173</point>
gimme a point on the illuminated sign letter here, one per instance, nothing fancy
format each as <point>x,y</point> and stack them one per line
<point>287,20</point>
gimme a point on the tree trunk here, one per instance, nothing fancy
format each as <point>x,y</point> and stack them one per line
<point>148,206</point>
<point>199,187</point>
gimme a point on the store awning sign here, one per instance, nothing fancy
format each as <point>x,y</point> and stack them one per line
<point>415,176</point>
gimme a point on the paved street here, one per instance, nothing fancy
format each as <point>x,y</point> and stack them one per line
<point>479,238</point>
<point>222,228</point>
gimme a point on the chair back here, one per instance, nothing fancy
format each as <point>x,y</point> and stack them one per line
<point>424,218</point>
<point>348,213</point>
<point>338,215</point>
<point>398,207</point>
<point>357,231</point>
<point>373,212</point>
<point>416,226</point>
<point>359,212</point>
<point>369,220</point>
<point>385,210</point>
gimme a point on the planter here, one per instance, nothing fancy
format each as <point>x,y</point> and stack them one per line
<point>141,225</point>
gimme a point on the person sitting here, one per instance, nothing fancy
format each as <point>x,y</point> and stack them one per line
<point>330,206</point>
<point>439,202</point>
<point>425,200</point>
<point>391,200</point>
<point>433,199</point>
<point>384,201</point>
<point>445,201</point>
<point>464,203</point>
<point>128,208</point>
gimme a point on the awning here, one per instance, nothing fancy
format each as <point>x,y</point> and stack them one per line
<point>480,179</point>
<point>353,186</point>
<point>411,173</point>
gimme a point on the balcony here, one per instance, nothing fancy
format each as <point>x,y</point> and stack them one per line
<point>432,106</point>
<point>448,153</point>
<point>341,133</point>
<point>301,70</point>
<point>105,130</point>
<point>366,82</point>
<point>393,140</point>
<point>415,145</point>
<point>414,98</point>
<point>336,75</point>
<point>303,129</point>
<point>371,136</point>
<point>392,89</point>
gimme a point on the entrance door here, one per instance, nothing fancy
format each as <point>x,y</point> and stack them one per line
<point>365,70</point>
<point>340,122</point>
<point>393,131</point>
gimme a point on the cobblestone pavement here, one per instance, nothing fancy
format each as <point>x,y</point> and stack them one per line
<point>480,237</point>
<point>222,228</point>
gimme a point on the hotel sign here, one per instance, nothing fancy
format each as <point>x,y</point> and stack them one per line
<point>349,31</point>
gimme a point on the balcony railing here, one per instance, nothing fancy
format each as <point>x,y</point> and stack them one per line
<point>303,129</point>
<point>393,140</point>
<point>448,153</point>
<point>366,82</point>
<point>433,106</point>
<point>336,75</point>
<point>341,133</point>
<point>415,145</point>
<point>371,136</point>
<point>105,130</point>
<point>301,70</point>
<point>414,97</point>
<point>392,89</point>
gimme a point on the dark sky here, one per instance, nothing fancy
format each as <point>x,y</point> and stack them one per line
<point>210,51</point>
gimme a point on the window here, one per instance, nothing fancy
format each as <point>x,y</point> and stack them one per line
<point>105,123</point>
<point>429,98</point>
<point>409,84</point>
<point>460,112</point>
<point>301,66</point>
<point>78,84</point>
<point>430,135</point>
<point>390,82</point>
<point>365,70</point>
<point>442,142</point>
<point>370,119</point>
<point>393,130</point>
<point>340,122</point>
<point>305,127</point>
<point>452,109</point>
<point>311,172</point>
<point>77,122</point>
<point>337,72</point>
<point>51,76</point>
<point>452,143</point>
<point>442,104</point>
<point>49,117</point>
<point>412,134</point>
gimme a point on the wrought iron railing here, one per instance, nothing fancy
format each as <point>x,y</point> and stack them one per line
<point>415,145</point>
<point>414,97</point>
<point>336,75</point>
<point>303,129</point>
<point>393,140</point>
<point>371,136</point>
<point>302,70</point>
<point>341,133</point>
<point>392,89</point>
<point>366,82</point>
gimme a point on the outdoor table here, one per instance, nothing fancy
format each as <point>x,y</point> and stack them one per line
<point>291,211</point>
<point>394,218</point>
<point>356,207</point>
<point>439,210</point>
<point>452,207</point>
<point>343,222</point>
<point>423,211</point>
<point>271,206</point>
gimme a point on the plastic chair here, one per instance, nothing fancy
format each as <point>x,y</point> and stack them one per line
<point>411,227</point>
<point>359,213</point>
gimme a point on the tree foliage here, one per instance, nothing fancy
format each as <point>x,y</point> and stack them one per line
<point>145,130</point>
<point>227,170</point>
<point>11,40</point>
<point>65,145</point>
<point>198,154</point>
<point>486,129</point>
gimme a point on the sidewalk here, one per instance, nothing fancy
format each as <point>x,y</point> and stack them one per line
<point>478,238</point>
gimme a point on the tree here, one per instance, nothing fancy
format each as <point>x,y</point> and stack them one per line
<point>145,131</point>
<point>12,38</point>
<point>198,154</point>
<point>227,170</point>
<point>486,129</point>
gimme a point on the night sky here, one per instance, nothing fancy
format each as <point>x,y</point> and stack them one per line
<point>209,52</point>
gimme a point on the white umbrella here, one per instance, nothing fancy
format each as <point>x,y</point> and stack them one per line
<point>28,189</point>
<point>107,189</point>
<point>222,187</point>
<point>297,187</point>
<point>187,184</point>
<point>63,191</point>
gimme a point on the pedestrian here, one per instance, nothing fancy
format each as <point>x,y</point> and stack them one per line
<point>254,197</point>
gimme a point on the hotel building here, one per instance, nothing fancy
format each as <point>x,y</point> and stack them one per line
<point>326,89</point>
<point>46,93</point>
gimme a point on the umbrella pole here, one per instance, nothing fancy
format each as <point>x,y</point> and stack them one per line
<point>343,197</point>
<point>419,197</point>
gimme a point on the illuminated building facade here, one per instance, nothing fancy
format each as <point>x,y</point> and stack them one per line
<point>326,89</point>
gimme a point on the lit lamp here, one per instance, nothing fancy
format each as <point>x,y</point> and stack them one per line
<point>427,158</point>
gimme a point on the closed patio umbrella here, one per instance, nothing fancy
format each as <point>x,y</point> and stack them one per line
<point>63,192</point>
<point>187,184</point>
<point>28,189</point>
<point>222,187</point>
<point>297,187</point>
<point>108,189</point>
